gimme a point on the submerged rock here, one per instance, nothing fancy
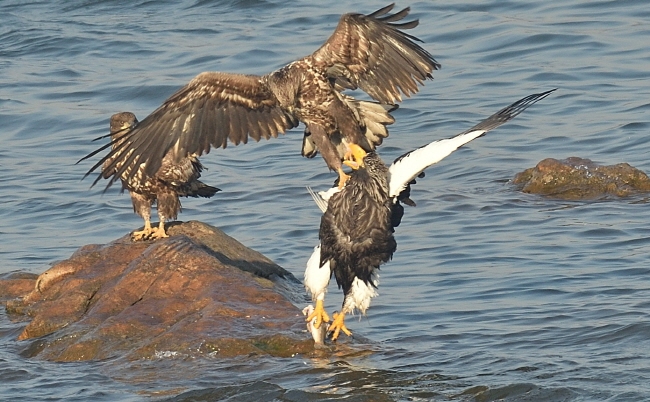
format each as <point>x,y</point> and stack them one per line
<point>196,292</point>
<point>581,179</point>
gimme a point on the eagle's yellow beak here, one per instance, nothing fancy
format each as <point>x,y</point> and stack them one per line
<point>354,157</point>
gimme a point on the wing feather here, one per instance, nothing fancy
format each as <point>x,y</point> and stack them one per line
<point>209,110</point>
<point>408,166</point>
<point>254,129</point>
<point>372,53</point>
<point>263,128</point>
<point>207,127</point>
<point>382,11</point>
<point>236,123</point>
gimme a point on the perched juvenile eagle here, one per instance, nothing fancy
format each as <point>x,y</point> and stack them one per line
<point>356,231</point>
<point>367,52</point>
<point>173,179</point>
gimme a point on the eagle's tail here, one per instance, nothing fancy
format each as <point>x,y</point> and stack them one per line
<point>373,116</point>
<point>205,191</point>
<point>197,189</point>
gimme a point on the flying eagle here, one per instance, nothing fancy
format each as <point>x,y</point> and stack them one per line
<point>367,52</point>
<point>356,231</point>
<point>173,179</point>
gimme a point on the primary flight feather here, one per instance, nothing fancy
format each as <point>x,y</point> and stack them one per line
<point>368,52</point>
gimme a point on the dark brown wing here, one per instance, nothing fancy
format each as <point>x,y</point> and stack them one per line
<point>207,112</point>
<point>372,53</point>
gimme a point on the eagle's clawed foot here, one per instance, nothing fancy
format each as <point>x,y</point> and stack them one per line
<point>319,314</point>
<point>142,234</point>
<point>338,325</point>
<point>149,233</point>
<point>343,178</point>
<point>159,233</point>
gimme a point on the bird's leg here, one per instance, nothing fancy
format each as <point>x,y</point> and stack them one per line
<point>159,232</point>
<point>144,233</point>
<point>348,155</point>
<point>343,177</point>
<point>319,314</point>
<point>142,206</point>
<point>338,325</point>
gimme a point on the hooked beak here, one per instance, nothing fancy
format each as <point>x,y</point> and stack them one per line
<point>354,157</point>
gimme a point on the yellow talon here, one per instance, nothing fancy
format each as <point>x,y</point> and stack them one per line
<point>354,165</point>
<point>144,233</point>
<point>159,233</point>
<point>318,313</point>
<point>348,155</point>
<point>338,325</point>
<point>149,233</point>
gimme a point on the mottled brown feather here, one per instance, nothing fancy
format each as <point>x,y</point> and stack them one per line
<point>365,51</point>
<point>173,179</point>
<point>374,51</point>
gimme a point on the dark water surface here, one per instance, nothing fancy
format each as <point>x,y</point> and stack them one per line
<point>492,294</point>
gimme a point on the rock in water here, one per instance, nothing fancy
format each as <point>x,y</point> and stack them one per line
<point>581,179</point>
<point>196,292</point>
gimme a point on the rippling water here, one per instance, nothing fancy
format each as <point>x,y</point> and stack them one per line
<point>492,294</point>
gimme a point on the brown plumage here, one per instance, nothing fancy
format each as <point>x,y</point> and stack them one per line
<point>368,52</point>
<point>173,179</point>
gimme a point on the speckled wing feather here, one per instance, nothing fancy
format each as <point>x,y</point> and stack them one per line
<point>210,110</point>
<point>374,117</point>
<point>372,53</point>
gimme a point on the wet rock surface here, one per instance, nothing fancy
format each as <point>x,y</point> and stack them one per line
<point>197,292</point>
<point>581,179</point>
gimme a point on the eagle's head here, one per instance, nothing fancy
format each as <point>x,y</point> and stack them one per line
<point>368,171</point>
<point>122,121</point>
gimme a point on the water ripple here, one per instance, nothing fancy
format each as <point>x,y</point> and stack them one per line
<point>491,295</point>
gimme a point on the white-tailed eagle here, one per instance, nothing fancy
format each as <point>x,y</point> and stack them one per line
<point>173,179</point>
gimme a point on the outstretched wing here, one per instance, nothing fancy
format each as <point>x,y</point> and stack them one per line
<point>408,166</point>
<point>210,110</point>
<point>372,53</point>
